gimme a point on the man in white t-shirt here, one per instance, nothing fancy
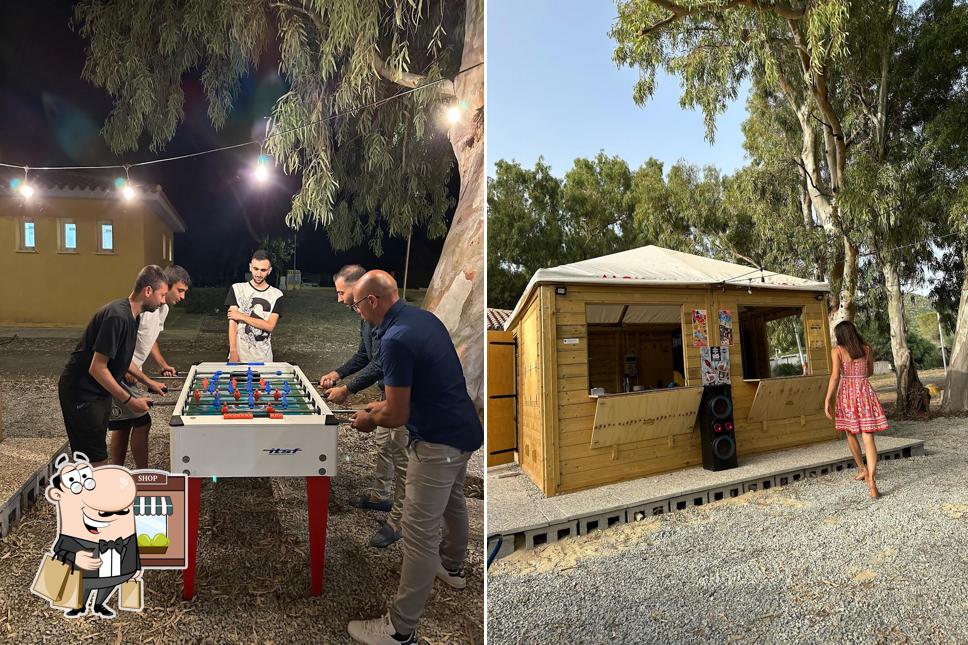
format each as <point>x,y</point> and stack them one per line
<point>253,311</point>
<point>124,424</point>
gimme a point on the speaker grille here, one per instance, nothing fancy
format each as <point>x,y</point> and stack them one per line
<point>720,406</point>
<point>724,447</point>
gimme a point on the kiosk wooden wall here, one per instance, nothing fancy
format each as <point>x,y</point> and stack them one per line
<point>501,440</point>
<point>556,413</point>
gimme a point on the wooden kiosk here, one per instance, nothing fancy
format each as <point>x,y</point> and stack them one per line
<point>609,364</point>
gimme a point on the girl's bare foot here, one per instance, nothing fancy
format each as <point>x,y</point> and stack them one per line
<point>872,487</point>
<point>861,475</point>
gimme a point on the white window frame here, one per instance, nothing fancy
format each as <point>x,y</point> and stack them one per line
<point>62,235</point>
<point>100,237</point>
<point>22,234</point>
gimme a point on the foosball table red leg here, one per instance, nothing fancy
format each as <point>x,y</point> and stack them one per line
<point>317,501</point>
<point>194,501</point>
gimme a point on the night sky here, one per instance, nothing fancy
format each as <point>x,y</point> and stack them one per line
<point>49,116</point>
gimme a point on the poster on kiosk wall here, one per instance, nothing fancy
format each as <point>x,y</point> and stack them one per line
<point>715,365</point>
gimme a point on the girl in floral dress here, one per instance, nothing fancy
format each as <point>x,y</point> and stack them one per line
<point>857,411</point>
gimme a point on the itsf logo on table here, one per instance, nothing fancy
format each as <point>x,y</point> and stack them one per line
<point>282,451</point>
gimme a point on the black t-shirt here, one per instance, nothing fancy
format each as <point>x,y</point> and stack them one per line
<point>113,331</point>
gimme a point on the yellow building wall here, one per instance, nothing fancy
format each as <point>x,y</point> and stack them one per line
<point>61,288</point>
<point>154,233</point>
<point>565,372</point>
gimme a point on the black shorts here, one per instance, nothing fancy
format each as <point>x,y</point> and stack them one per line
<point>124,424</point>
<point>86,422</point>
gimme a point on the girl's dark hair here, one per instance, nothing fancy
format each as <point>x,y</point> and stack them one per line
<point>850,339</point>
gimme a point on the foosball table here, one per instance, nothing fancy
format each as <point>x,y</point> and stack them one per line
<point>254,420</point>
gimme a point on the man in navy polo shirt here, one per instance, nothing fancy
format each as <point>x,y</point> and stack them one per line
<point>426,390</point>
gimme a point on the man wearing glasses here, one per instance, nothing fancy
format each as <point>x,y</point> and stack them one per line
<point>391,459</point>
<point>426,390</point>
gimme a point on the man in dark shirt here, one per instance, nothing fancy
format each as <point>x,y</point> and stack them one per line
<point>425,388</point>
<point>390,470</point>
<point>99,362</point>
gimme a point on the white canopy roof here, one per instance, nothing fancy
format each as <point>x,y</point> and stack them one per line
<point>654,265</point>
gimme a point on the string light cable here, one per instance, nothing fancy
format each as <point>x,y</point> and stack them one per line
<point>259,142</point>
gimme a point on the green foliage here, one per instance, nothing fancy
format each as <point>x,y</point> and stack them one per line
<point>925,354</point>
<point>536,220</point>
<point>872,323</point>
<point>280,251</point>
<point>712,47</point>
<point>782,334</point>
<point>367,172</point>
<point>524,228</point>
<point>788,369</point>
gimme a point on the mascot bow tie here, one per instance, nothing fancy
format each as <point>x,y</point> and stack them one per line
<point>104,546</point>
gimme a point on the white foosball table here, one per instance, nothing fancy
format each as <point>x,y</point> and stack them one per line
<point>254,420</point>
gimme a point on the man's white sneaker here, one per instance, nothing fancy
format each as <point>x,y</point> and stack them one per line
<point>379,631</point>
<point>453,579</point>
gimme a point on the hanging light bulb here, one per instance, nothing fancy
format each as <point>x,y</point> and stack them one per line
<point>261,171</point>
<point>125,186</point>
<point>22,186</point>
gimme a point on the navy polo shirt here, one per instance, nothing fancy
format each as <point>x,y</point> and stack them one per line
<point>416,352</point>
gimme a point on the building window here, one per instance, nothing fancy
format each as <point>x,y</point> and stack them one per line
<point>634,347</point>
<point>67,236</point>
<point>105,242</point>
<point>28,235</point>
<point>770,341</point>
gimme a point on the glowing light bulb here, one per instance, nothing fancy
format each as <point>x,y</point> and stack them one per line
<point>453,114</point>
<point>26,190</point>
<point>261,172</point>
<point>128,192</point>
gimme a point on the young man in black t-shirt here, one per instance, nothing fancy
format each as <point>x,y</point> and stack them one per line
<point>99,362</point>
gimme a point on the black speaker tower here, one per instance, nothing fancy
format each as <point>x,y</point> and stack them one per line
<point>716,428</point>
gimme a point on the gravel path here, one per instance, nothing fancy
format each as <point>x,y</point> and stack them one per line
<point>814,562</point>
<point>253,576</point>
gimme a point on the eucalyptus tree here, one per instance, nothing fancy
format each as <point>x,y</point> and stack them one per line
<point>524,228</point>
<point>891,178</point>
<point>795,49</point>
<point>596,198</point>
<point>935,110</point>
<point>372,163</point>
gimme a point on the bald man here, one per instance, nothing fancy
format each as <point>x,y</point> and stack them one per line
<point>426,390</point>
<point>390,471</point>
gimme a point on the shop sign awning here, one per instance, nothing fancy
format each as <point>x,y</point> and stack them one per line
<point>154,505</point>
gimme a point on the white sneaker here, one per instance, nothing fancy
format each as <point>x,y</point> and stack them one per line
<point>379,631</point>
<point>453,579</point>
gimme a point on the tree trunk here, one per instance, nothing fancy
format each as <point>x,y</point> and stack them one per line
<point>956,383</point>
<point>912,396</point>
<point>456,292</point>
<point>846,302</point>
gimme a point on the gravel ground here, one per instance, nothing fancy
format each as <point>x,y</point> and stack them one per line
<point>253,575</point>
<point>814,562</point>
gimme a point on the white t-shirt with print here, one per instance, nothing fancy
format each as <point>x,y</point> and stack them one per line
<point>151,325</point>
<point>254,345</point>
